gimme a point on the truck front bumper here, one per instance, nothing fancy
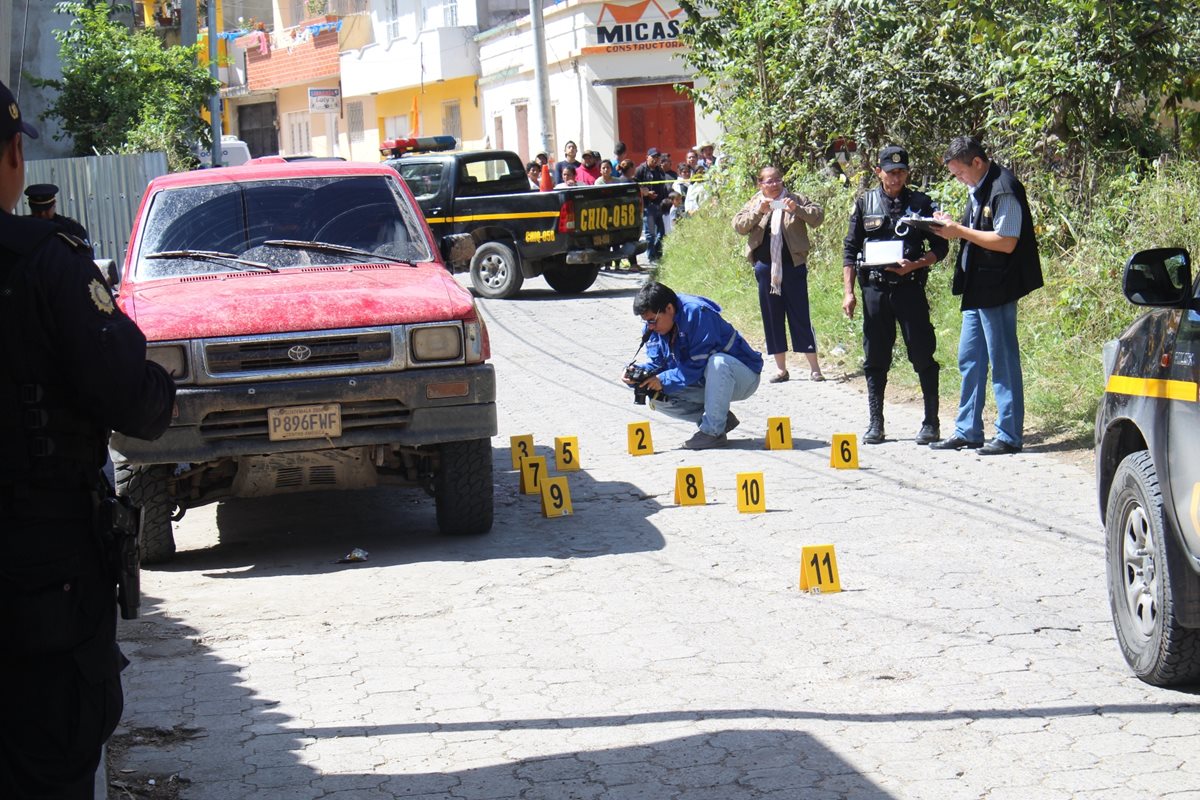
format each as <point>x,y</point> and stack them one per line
<point>411,408</point>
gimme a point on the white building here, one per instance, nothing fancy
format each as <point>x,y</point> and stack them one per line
<point>612,72</point>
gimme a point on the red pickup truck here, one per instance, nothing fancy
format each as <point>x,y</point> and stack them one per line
<point>317,340</point>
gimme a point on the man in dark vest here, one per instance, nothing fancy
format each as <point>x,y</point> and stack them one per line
<point>891,262</point>
<point>997,265</point>
<point>72,367</point>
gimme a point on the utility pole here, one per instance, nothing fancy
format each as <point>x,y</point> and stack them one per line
<point>541,78</point>
<point>214,102</point>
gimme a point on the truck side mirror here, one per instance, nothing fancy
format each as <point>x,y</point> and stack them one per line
<point>108,268</point>
<point>1158,277</point>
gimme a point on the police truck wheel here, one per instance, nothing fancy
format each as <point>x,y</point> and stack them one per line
<point>462,488</point>
<point>146,486</point>
<point>1158,649</point>
<point>566,279</point>
<point>495,271</point>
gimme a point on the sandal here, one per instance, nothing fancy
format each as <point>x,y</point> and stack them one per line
<point>779,377</point>
<point>816,376</point>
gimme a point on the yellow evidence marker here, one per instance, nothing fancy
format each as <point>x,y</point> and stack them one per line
<point>556,497</point>
<point>750,492</point>
<point>779,433</point>
<point>689,486</point>
<point>844,453</point>
<point>818,569</point>
<point>521,447</point>
<point>640,443</point>
<point>566,453</point>
<point>533,472</point>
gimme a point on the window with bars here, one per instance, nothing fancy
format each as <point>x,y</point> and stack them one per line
<point>391,19</point>
<point>299,133</point>
<point>354,122</point>
<point>452,119</point>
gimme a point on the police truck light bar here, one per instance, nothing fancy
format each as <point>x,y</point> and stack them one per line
<point>428,144</point>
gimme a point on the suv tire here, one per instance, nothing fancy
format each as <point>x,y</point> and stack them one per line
<point>1158,649</point>
<point>462,488</point>
<point>495,271</point>
<point>146,486</point>
<point>572,279</point>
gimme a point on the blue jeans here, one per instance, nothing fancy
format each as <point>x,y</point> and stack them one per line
<point>990,334</point>
<point>725,379</point>
<point>652,227</point>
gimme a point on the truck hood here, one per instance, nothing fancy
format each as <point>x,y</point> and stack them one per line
<point>314,298</point>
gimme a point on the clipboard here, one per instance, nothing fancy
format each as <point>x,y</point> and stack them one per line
<point>927,224</point>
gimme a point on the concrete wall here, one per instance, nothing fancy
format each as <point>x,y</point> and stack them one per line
<point>34,51</point>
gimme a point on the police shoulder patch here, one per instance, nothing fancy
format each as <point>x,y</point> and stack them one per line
<point>74,242</point>
<point>101,296</point>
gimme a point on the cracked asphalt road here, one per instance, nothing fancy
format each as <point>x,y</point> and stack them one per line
<point>642,650</point>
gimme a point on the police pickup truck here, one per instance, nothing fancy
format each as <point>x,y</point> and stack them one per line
<point>564,235</point>
<point>1148,471</point>
<point>317,341</point>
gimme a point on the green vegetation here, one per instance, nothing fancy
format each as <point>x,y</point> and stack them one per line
<point>1085,100</point>
<point>1062,325</point>
<point>124,92</point>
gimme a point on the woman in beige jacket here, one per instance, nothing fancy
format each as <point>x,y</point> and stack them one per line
<point>775,222</point>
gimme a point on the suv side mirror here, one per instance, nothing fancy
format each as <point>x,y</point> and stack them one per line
<point>458,248</point>
<point>1158,277</point>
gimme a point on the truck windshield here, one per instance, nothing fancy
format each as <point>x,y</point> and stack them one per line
<point>364,212</point>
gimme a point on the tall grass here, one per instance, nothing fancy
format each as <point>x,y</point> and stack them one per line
<point>1084,243</point>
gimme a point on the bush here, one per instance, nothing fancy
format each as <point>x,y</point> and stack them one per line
<point>1084,244</point>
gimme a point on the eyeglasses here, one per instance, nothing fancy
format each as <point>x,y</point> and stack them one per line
<point>770,181</point>
<point>653,321</point>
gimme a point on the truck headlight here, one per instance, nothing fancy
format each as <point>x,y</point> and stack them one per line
<point>172,358</point>
<point>437,343</point>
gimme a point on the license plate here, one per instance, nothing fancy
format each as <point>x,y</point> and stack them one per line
<point>605,218</point>
<point>304,422</point>
<point>602,240</point>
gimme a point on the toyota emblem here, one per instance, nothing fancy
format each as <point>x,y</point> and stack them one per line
<point>299,352</point>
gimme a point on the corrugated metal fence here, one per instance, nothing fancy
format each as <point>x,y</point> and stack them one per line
<point>101,192</point>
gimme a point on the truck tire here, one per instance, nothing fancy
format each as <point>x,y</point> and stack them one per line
<point>572,279</point>
<point>495,271</point>
<point>146,486</point>
<point>1158,649</point>
<point>462,488</point>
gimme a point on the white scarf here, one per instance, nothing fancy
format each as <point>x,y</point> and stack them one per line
<point>777,245</point>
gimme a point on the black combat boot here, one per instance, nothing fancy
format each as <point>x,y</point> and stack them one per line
<point>875,386</point>
<point>930,428</point>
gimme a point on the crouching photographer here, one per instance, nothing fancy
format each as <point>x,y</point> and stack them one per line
<point>698,363</point>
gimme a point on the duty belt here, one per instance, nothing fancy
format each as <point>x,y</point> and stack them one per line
<point>878,276</point>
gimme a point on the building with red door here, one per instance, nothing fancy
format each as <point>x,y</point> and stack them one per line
<point>613,71</point>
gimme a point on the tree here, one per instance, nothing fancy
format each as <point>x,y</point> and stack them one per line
<point>123,91</point>
<point>1051,81</point>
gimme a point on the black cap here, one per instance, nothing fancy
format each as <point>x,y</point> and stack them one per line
<point>653,151</point>
<point>893,157</point>
<point>41,194</point>
<point>10,117</point>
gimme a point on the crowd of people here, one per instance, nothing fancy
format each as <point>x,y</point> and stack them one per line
<point>699,364</point>
<point>669,189</point>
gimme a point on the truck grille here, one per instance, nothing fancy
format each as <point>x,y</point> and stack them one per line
<point>228,358</point>
<point>222,426</point>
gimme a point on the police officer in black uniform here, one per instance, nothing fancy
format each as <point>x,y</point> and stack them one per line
<point>893,291</point>
<point>43,203</point>
<point>72,367</point>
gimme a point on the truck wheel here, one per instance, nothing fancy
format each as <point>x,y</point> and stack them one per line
<point>1158,649</point>
<point>462,488</point>
<point>146,486</point>
<point>495,272</point>
<point>572,280</point>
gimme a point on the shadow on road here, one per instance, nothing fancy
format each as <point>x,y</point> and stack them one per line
<point>194,728</point>
<point>306,534</point>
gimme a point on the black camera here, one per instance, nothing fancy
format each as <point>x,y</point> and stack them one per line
<point>635,375</point>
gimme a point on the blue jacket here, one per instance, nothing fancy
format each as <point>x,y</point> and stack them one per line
<point>701,332</point>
